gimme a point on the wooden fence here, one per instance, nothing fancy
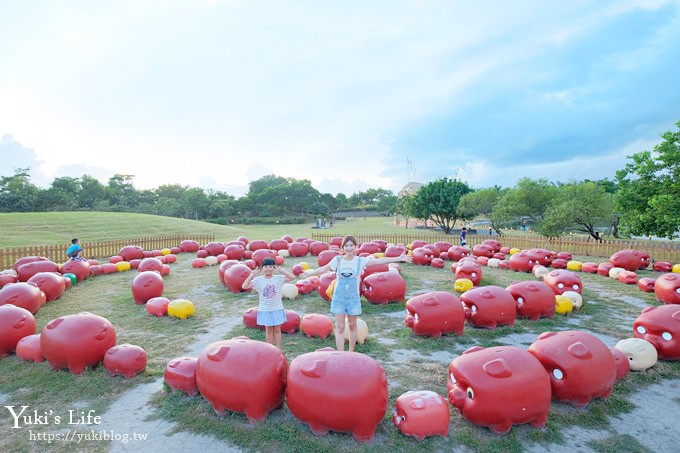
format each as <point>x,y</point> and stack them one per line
<point>57,253</point>
<point>658,250</point>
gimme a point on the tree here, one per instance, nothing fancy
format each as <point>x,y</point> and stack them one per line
<point>121,192</point>
<point>62,195</point>
<point>649,189</point>
<point>92,193</point>
<point>438,201</point>
<point>482,202</point>
<point>528,199</point>
<point>17,193</point>
<point>580,206</point>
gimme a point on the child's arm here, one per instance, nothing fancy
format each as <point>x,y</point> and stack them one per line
<point>248,282</point>
<point>286,273</point>
<point>403,258</point>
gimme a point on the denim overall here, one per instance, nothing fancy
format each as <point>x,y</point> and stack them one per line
<point>346,295</point>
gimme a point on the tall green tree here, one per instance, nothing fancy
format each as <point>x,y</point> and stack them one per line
<point>529,198</point>
<point>482,202</point>
<point>92,194</point>
<point>17,192</point>
<point>62,195</point>
<point>439,201</point>
<point>580,206</point>
<point>649,189</point>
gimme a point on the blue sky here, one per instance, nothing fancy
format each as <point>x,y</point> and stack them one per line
<point>214,94</point>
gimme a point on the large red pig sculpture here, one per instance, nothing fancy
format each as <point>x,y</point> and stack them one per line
<point>435,314</point>
<point>147,285</point>
<point>667,288</point>
<point>189,246</point>
<point>468,268</point>
<point>242,375</point>
<point>579,365</point>
<point>24,295</point>
<point>630,260</point>
<point>545,257</point>
<point>421,414</point>
<point>489,307</point>
<point>499,387</point>
<point>458,252</point>
<point>422,256</point>
<point>50,283</point>
<point>337,391</point>
<point>15,324</point>
<point>298,249</point>
<point>180,374</point>
<point>80,268</point>
<point>234,277</point>
<point>534,299</point>
<point>661,327</point>
<point>561,280</point>
<point>77,341</point>
<point>28,270</point>
<point>384,287</point>
<point>131,252</point>
<point>483,250</point>
<point>316,325</point>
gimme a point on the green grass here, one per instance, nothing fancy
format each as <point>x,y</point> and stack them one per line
<point>410,362</point>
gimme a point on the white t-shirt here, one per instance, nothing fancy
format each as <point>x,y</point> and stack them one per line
<point>269,290</point>
<point>347,268</point>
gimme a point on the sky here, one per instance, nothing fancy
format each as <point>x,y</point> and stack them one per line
<point>349,94</point>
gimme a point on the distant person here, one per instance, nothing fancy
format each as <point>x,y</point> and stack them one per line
<point>463,237</point>
<point>346,300</point>
<point>75,251</point>
<point>524,224</point>
<point>270,311</point>
<point>490,231</point>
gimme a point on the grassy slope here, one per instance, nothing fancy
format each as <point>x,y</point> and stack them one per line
<point>26,229</point>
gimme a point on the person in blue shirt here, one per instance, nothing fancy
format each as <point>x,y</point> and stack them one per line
<point>75,251</point>
<point>463,234</point>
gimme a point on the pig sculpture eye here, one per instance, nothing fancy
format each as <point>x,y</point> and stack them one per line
<point>520,300</point>
<point>474,274</point>
<point>560,285</point>
<point>416,316</point>
<point>453,379</point>
<point>558,374</point>
<point>667,336</point>
<point>575,287</point>
<point>641,330</point>
<point>473,309</point>
<point>470,393</point>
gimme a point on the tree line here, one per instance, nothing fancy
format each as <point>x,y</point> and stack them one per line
<point>643,199</point>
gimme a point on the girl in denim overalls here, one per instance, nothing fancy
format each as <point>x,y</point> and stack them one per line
<point>346,300</point>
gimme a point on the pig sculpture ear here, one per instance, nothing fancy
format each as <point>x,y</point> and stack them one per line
<point>580,350</point>
<point>498,368</point>
<point>315,369</point>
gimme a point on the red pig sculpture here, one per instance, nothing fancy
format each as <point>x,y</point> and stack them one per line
<point>24,295</point>
<point>234,277</point>
<point>157,306</point>
<point>579,365</point>
<point>535,300</point>
<point>235,252</point>
<point>384,287</point>
<point>561,280</point>
<point>15,324</point>
<point>662,266</point>
<point>421,414</point>
<point>316,325</point>
<point>630,260</point>
<point>468,268</point>
<point>326,256</point>
<point>483,250</point>
<point>242,375</point>
<point>435,314</point>
<point>353,384</point>
<point>661,327</point>
<point>150,264</point>
<point>297,249</point>
<point>317,247</point>
<point>667,288</point>
<point>147,285</point>
<point>489,307</point>
<point>81,269</point>
<point>545,257</point>
<point>499,387</point>
<point>458,252</point>
<point>189,246</point>
<point>77,341</point>
<point>422,256</point>
<point>523,261</point>
<point>125,360</point>
<point>50,283</point>
<point>622,363</point>
<point>28,348</point>
<point>260,254</point>
<point>131,252</point>
<point>180,374</point>
<point>304,286</point>
<point>646,284</point>
<point>292,323</point>
<point>28,270</point>
<point>494,244</point>
<point>589,268</point>
<point>324,282</point>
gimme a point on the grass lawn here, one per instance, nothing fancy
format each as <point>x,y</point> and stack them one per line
<point>410,362</point>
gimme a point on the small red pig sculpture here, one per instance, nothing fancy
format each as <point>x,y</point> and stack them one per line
<point>534,299</point>
<point>489,307</point>
<point>384,287</point>
<point>469,268</point>
<point>180,374</point>
<point>561,280</point>
<point>421,414</point>
<point>15,324</point>
<point>125,360</point>
<point>147,285</point>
